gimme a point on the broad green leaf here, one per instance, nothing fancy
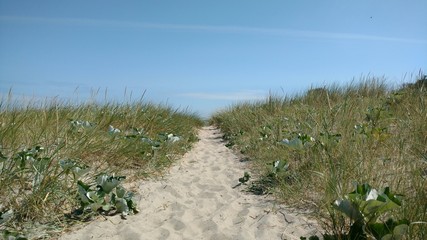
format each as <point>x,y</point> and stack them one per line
<point>400,231</point>
<point>387,237</point>
<point>388,206</point>
<point>66,164</point>
<point>107,183</point>
<point>83,185</point>
<point>348,208</point>
<point>121,205</point>
<point>162,136</point>
<point>294,143</point>
<point>393,197</point>
<point>95,206</point>
<point>78,172</point>
<point>128,196</point>
<point>282,165</point>
<point>379,229</point>
<point>82,190</point>
<point>328,139</point>
<point>93,196</point>
<point>108,198</point>
<point>371,207</point>
<point>390,229</point>
<point>120,191</point>
<point>363,189</point>
<point>131,205</point>
<point>279,166</point>
<point>106,207</point>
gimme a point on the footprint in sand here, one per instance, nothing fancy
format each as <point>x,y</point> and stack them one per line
<point>196,201</point>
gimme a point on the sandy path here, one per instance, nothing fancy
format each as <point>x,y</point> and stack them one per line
<point>196,201</point>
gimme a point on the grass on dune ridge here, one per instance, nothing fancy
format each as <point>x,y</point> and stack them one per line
<point>360,133</point>
<point>135,139</point>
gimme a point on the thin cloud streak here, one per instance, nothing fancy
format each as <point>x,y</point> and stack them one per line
<point>207,28</point>
<point>232,96</point>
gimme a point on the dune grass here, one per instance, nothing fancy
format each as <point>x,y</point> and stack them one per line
<point>136,139</point>
<point>329,139</point>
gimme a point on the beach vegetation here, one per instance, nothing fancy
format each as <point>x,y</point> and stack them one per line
<point>64,162</point>
<point>329,140</point>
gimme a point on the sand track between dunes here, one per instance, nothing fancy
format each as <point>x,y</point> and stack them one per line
<point>195,200</point>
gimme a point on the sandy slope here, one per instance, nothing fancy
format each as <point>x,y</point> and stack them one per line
<point>196,201</point>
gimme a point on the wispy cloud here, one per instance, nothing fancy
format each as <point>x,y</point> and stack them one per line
<point>228,96</point>
<point>208,28</point>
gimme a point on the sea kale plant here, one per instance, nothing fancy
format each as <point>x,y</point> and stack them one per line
<point>106,196</point>
<point>365,208</point>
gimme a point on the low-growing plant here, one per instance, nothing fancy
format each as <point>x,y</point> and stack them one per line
<point>245,178</point>
<point>74,168</point>
<point>365,208</point>
<point>106,196</point>
<point>299,142</point>
<point>279,168</point>
<point>277,173</point>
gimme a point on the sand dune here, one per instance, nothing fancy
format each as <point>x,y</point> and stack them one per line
<point>195,200</point>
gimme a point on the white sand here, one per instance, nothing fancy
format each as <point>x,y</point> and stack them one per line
<point>196,201</point>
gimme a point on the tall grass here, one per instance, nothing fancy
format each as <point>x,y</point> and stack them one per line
<point>361,133</point>
<point>34,138</point>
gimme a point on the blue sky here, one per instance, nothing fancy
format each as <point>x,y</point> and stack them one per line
<point>205,55</point>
